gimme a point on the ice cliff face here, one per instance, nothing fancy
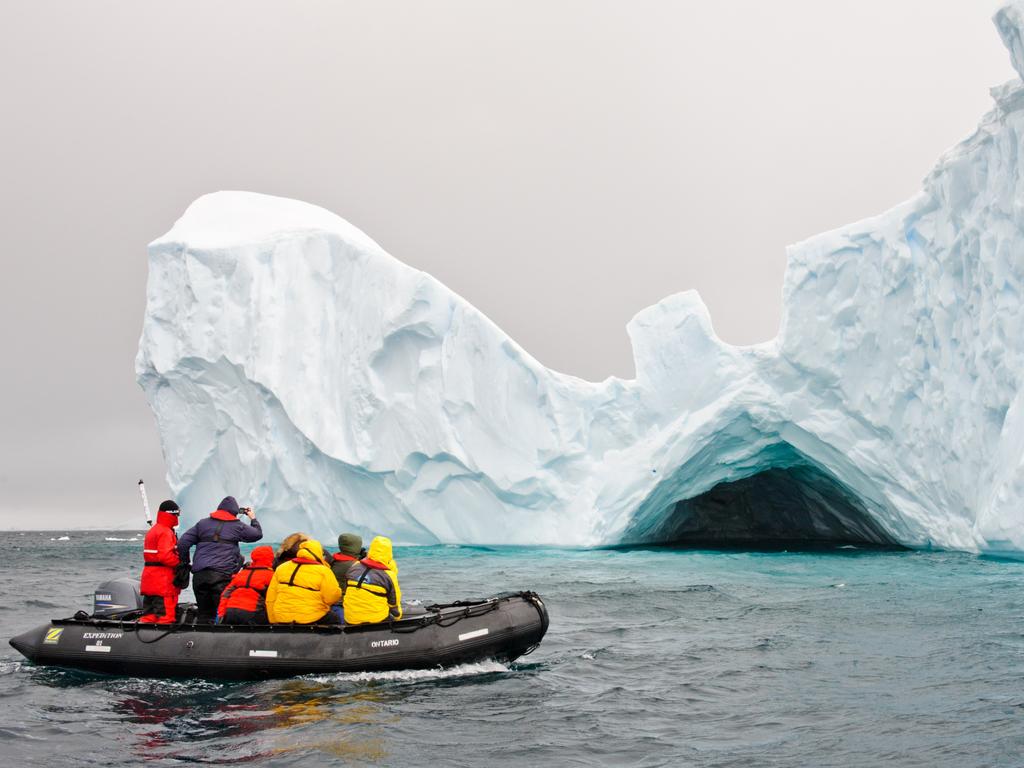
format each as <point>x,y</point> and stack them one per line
<point>292,362</point>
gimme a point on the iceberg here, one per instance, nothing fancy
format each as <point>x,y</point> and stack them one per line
<point>292,362</point>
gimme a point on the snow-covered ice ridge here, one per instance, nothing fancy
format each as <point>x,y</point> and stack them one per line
<point>291,361</point>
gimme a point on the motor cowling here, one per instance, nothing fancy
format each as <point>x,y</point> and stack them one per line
<point>116,597</point>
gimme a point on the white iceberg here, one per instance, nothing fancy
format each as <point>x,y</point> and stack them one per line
<point>292,362</point>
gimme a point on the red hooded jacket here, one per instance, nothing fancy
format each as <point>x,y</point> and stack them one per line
<point>160,551</point>
<point>248,588</point>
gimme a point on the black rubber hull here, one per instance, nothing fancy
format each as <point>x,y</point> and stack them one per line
<point>501,628</point>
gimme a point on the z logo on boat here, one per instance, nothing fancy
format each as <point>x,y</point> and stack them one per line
<point>53,635</point>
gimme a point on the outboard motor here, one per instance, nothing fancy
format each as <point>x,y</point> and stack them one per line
<point>116,597</point>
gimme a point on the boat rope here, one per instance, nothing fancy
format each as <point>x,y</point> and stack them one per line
<point>467,613</point>
<point>534,599</point>
<point>171,629</point>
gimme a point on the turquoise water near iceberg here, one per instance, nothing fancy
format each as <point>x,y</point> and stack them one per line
<point>654,657</point>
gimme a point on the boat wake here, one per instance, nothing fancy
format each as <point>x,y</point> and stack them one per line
<point>11,666</point>
<point>148,686</point>
<point>414,675</point>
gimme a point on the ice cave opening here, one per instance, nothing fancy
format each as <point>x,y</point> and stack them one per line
<point>801,506</point>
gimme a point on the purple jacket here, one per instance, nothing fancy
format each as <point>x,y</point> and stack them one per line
<point>216,541</point>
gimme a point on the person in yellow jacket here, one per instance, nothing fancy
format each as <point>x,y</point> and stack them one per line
<point>303,589</point>
<point>372,593</point>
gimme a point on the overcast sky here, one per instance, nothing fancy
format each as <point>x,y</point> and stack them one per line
<point>560,164</point>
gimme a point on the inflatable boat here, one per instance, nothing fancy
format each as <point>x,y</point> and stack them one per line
<point>503,627</point>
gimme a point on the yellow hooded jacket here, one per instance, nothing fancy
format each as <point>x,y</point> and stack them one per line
<point>372,593</point>
<point>304,589</point>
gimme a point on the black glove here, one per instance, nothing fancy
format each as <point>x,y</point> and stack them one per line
<point>181,575</point>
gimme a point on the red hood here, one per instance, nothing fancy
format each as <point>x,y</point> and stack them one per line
<point>166,518</point>
<point>262,557</point>
<point>220,514</point>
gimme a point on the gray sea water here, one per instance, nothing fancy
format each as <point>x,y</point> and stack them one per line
<point>654,657</point>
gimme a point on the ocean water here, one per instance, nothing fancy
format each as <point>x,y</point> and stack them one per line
<point>654,657</point>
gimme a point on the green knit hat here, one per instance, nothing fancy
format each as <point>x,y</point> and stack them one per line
<point>350,544</point>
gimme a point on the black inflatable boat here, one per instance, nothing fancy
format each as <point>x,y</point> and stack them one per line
<point>503,627</point>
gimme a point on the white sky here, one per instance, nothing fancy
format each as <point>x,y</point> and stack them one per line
<point>561,165</point>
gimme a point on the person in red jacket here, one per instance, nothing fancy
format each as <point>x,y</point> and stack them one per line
<point>160,551</point>
<point>244,600</point>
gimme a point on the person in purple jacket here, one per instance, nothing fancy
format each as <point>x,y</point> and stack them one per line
<point>217,555</point>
